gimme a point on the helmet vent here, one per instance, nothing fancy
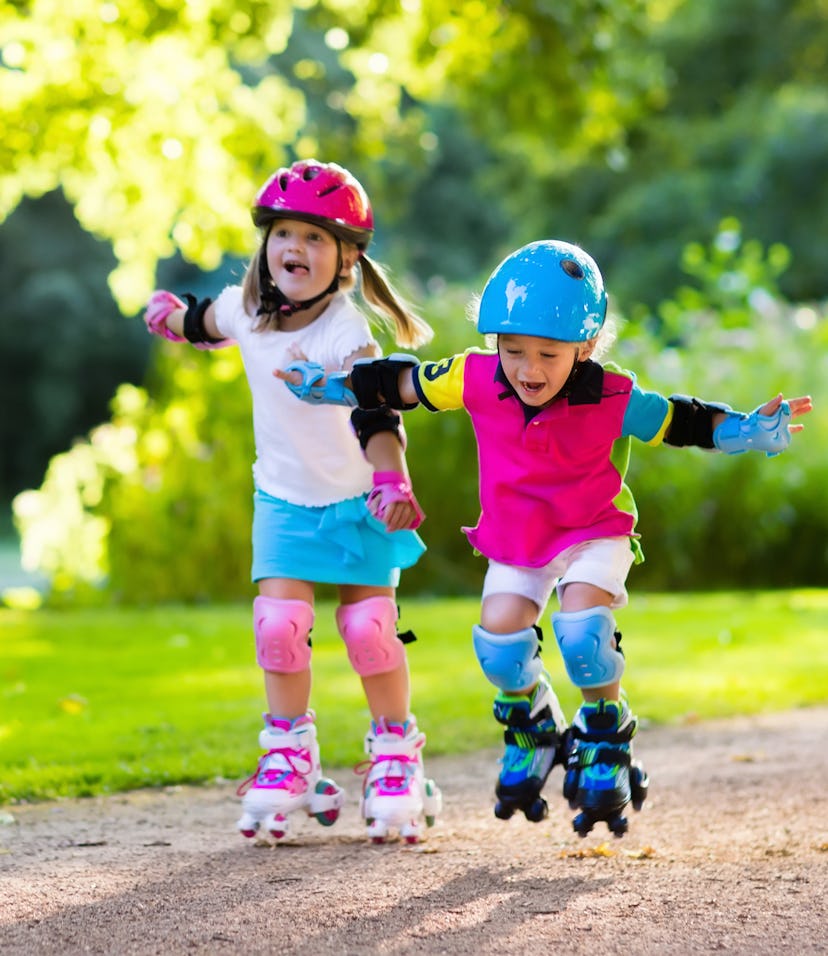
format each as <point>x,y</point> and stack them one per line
<point>310,172</point>
<point>283,181</point>
<point>329,190</point>
<point>572,269</point>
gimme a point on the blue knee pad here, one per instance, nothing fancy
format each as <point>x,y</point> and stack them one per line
<point>509,661</point>
<point>586,642</point>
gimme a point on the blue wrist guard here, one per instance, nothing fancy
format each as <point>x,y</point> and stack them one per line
<point>333,392</point>
<point>754,432</point>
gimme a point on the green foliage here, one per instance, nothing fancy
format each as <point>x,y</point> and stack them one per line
<point>181,521</point>
<point>102,701</point>
<point>159,120</point>
<point>64,347</point>
<point>732,340</point>
<point>631,126</point>
<point>742,131</point>
<point>157,504</point>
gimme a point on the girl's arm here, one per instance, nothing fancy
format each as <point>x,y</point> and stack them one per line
<point>392,499</point>
<point>193,321</point>
<point>379,430</point>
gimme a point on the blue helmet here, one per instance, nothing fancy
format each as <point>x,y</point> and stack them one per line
<point>550,289</point>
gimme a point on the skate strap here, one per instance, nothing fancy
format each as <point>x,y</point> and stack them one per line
<point>373,770</point>
<point>605,737</point>
<point>603,753</point>
<point>528,737</point>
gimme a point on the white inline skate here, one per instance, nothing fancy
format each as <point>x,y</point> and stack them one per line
<point>288,778</point>
<point>396,793</point>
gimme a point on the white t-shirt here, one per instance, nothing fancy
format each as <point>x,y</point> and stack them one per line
<point>305,454</point>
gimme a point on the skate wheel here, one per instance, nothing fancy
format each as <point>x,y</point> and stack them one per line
<point>570,788</point>
<point>582,824</point>
<point>503,811</point>
<point>411,840</point>
<point>432,803</point>
<point>327,817</point>
<point>617,826</point>
<point>377,830</point>
<point>277,826</point>
<point>639,785</point>
<point>248,825</point>
<point>537,810</point>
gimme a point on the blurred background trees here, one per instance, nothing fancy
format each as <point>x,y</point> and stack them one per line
<point>684,144</point>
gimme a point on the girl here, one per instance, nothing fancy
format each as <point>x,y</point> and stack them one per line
<point>553,429</point>
<point>311,521</point>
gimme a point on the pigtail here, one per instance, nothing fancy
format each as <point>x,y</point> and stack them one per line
<point>410,331</point>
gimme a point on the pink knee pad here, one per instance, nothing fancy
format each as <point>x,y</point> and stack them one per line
<point>369,629</point>
<point>281,627</point>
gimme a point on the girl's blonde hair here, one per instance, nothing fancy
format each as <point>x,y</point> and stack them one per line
<point>394,313</point>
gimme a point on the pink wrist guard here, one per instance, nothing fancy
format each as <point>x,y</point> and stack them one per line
<point>159,307</point>
<point>390,487</point>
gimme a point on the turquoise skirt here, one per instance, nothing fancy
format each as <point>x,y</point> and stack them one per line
<point>341,543</point>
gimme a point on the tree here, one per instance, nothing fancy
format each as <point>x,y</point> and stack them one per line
<point>64,347</point>
<point>158,119</point>
<point>742,132</point>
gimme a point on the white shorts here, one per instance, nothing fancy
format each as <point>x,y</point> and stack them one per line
<point>603,562</point>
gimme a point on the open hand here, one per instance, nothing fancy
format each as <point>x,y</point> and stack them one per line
<point>293,378</point>
<point>798,406</point>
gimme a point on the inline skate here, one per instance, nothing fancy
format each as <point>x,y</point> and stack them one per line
<point>535,738</point>
<point>601,777</point>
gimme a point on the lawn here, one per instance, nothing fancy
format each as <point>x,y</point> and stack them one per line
<point>96,701</point>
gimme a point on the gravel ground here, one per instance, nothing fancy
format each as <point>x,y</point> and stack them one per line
<point>730,853</point>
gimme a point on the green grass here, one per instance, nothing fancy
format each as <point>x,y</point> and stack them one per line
<point>96,701</point>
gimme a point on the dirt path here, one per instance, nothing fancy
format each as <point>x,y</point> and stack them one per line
<point>730,853</point>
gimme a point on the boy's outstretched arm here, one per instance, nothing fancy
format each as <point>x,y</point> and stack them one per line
<point>797,406</point>
<point>767,428</point>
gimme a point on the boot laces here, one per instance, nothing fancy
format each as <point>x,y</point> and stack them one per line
<point>283,768</point>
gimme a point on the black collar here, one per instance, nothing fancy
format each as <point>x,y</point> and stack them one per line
<point>584,387</point>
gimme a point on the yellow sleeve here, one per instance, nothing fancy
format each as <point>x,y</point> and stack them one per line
<point>439,385</point>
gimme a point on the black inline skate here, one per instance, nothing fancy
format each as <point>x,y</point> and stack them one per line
<point>534,736</point>
<point>601,777</point>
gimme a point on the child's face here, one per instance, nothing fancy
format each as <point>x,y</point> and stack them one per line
<point>536,368</point>
<point>302,258</point>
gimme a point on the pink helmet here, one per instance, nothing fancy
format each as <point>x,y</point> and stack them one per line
<point>317,192</point>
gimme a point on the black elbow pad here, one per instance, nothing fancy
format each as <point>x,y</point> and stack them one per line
<point>194,321</point>
<point>376,382</point>
<point>692,422</point>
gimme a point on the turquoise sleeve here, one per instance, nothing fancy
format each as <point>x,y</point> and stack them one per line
<point>647,417</point>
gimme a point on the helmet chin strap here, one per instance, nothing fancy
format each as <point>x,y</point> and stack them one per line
<point>274,301</point>
<point>570,380</point>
